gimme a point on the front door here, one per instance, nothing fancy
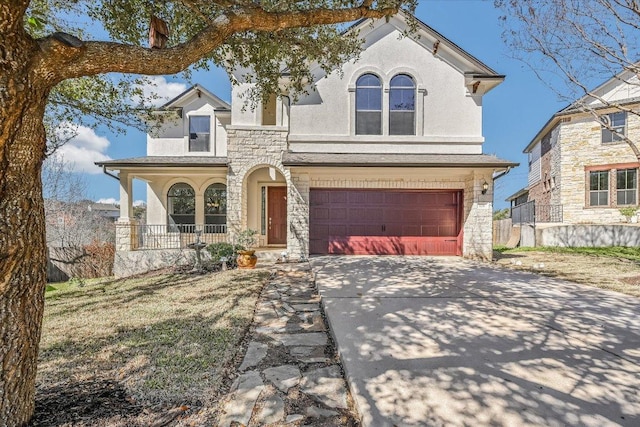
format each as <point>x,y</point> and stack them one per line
<point>277,215</point>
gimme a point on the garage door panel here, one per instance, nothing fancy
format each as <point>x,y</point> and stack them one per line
<point>338,214</point>
<point>363,221</point>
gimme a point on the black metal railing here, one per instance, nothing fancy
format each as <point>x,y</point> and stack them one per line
<point>532,213</point>
<point>174,236</point>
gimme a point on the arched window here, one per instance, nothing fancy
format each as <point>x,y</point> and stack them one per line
<point>402,105</point>
<point>368,105</point>
<point>215,209</point>
<point>181,201</point>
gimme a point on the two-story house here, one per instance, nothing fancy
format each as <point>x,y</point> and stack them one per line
<point>580,172</point>
<point>384,159</point>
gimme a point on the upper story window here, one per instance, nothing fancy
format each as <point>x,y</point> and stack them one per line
<point>402,110</point>
<point>368,105</point>
<point>199,133</point>
<point>618,122</point>
<point>269,108</point>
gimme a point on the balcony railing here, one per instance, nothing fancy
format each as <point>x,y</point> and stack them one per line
<point>174,236</point>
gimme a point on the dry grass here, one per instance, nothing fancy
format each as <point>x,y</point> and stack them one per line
<point>167,339</point>
<point>609,269</point>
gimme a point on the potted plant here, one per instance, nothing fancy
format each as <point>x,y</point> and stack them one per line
<point>629,213</point>
<point>246,256</point>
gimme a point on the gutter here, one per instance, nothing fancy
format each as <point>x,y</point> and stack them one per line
<point>106,172</point>
<point>501,174</point>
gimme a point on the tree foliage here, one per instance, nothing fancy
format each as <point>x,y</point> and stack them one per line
<point>118,100</point>
<point>575,45</point>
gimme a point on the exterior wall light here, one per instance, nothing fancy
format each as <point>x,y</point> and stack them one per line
<point>485,187</point>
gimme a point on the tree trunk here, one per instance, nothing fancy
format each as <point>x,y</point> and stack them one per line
<point>23,96</point>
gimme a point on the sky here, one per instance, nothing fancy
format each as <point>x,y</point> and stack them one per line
<point>513,112</point>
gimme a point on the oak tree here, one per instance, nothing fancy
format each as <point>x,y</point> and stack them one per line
<point>54,56</point>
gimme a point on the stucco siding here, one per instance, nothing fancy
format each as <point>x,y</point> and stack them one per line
<point>445,112</point>
<point>172,137</point>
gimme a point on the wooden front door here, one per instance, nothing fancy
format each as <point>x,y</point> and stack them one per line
<point>277,215</point>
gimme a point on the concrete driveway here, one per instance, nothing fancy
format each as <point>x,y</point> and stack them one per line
<point>445,341</point>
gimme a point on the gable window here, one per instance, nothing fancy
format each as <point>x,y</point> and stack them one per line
<point>626,186</point>
<point>599,188</point>
<point>617,122</point>
<point>402,109</point>
<point>181,205</point>
<point>368,105</point>
<point>199,133</point>
<point>215,209</point>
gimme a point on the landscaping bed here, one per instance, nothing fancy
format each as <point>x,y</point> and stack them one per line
<point>157,349</point>
<point>614,268</point>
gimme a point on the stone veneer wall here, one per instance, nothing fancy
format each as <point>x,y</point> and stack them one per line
<point>582,146</point>
<point>248,149</point>
<point>478,218</point>
<point>556,166</point>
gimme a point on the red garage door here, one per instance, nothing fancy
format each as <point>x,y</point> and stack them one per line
<point>368,222</point>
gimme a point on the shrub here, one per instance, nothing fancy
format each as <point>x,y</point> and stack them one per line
<point>247,238</point>
<point>628,212</point>
<point>226,250</point>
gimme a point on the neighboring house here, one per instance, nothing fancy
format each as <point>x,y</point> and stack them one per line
<point>385,159</point>
<point>579,171</point>
<point>104,210</point>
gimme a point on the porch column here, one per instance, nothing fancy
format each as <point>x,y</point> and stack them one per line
<point>124,233</point>
<point>126,204</point>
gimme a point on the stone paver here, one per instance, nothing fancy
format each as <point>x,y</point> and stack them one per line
<point>290,345</point>
<point>283,377</point>
<point>247,388</point>
<point>327,386</point>
<point>255,353</point>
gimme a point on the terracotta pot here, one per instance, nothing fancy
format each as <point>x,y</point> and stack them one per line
<point>247,259</point>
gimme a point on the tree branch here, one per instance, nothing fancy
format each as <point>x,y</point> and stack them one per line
<point>103,57</point>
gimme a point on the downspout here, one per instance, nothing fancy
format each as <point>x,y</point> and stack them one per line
<point>106,172</point>
<point>498,176</point>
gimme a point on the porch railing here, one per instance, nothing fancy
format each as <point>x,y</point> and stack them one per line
<point>174,236</point>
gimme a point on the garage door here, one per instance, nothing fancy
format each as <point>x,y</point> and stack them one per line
<point>385,222</point>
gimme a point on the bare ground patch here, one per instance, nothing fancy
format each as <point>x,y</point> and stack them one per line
<point>617,274</point>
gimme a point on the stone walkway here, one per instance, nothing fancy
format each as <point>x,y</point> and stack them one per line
<point>290,374</point>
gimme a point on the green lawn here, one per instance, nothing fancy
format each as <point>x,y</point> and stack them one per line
<point>166,338</point>
<point>621,252</point>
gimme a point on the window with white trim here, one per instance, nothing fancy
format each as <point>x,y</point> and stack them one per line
<point>402,105</point>
<point>368,105</point>
<point>626,186</point>
<point>618,123</point>
<point>599,188</point>
<point>199,133</point>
